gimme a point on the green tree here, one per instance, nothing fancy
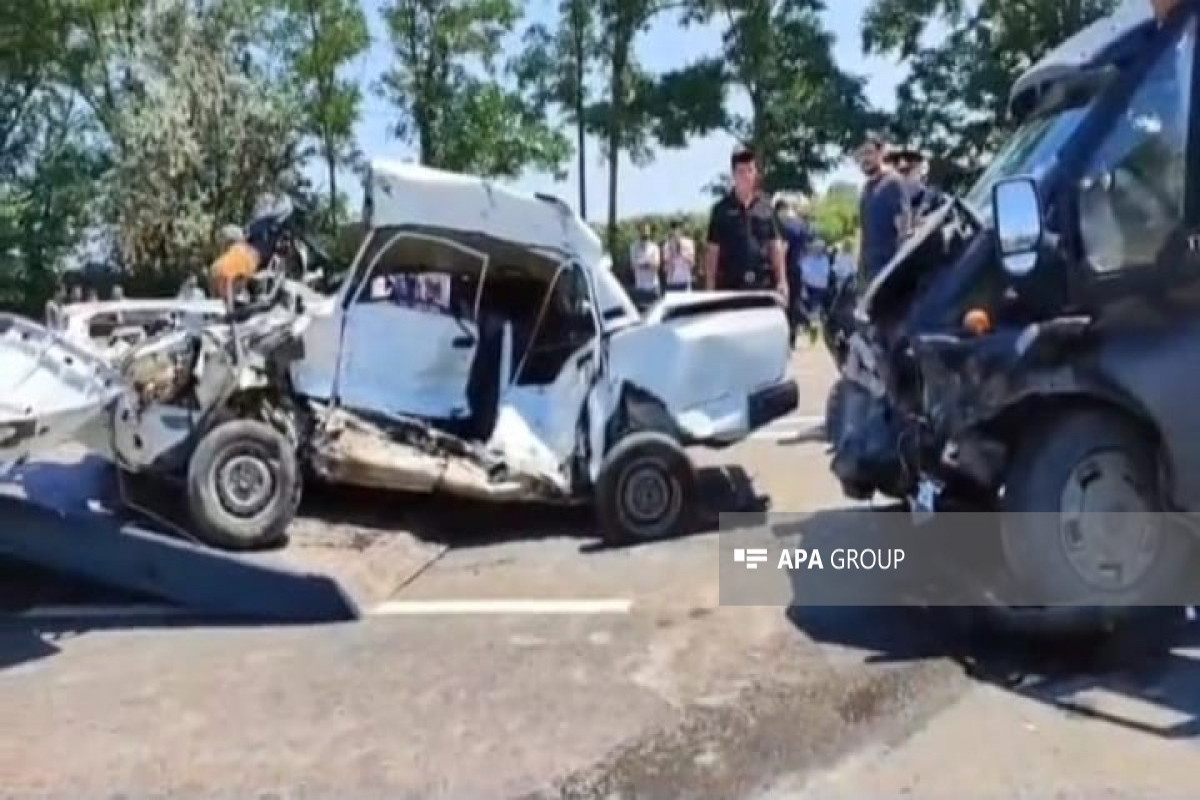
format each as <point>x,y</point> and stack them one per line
<point>835,213</point>
<point>47,169</point>
<point>556,63</point>
<point>204,137</point>
<point>638,108</point>
<point>455,97</point>
<point>136,126</point>
<point>954,105</point>
<point>316,39</point>
<point>804,110</point>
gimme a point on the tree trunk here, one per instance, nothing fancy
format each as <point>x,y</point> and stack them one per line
<point>331,163</point>
<point>580,56</point>
<point>616,122</point>
<point>581,146</point>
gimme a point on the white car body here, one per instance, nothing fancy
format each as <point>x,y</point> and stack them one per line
<point>114,327</point>
<point>700,357</point>
<point>391,393</point>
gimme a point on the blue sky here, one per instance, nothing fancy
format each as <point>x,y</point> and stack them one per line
<point>675,180</point>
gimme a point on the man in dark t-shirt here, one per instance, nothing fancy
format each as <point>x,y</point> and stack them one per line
<point>885,209</point>
<point>745,246</point>
<point>796,238</point>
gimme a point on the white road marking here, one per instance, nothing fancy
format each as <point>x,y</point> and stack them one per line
<point>794,420</point>
<point>788,428</point>
<point>501,606</point>
<point>390,608</point>
<point>133,611</point>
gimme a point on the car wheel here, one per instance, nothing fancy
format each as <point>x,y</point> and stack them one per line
<point>243,486</point>
<point>1083,532</point>
<point>646,490</point>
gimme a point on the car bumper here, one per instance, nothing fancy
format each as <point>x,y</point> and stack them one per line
<point>731,418</point>
<point>771,403</point>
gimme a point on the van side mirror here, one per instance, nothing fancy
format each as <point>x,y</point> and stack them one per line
<point>1017,210</point>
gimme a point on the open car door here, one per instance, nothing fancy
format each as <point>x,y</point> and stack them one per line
<point>409,333</point>
<point>539,424</point>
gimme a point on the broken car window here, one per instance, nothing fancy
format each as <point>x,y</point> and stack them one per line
<point>566,326</point>
<point>1132,198</point>
<point>426,273</point>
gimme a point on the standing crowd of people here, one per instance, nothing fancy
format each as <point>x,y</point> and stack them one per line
<point>670,265</point>
<point>754,244</point>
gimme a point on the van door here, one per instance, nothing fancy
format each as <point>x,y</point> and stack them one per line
<point>1138,265</point>
<point>540,415</point>
<point>409,335</point>
<point>1136,198</point>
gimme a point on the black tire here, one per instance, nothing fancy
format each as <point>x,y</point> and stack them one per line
<point>265,456</point>
<point>1056,462</point>
<point>646,490</point>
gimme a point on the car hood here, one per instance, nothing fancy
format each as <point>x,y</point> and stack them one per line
<point>676,305</point>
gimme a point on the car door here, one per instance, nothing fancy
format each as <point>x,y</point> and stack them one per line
<point>554,377</point>
<point>1136,269</point>
<point>409,335</point>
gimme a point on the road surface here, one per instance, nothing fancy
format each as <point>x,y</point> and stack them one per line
<point>510,657</point>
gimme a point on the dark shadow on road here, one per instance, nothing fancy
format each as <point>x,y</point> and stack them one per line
<point>1145,661</point>
<point>25,641</point>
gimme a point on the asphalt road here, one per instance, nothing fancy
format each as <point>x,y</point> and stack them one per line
<point>509,656</point>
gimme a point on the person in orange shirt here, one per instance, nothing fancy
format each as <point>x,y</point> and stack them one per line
<point>237,264</point>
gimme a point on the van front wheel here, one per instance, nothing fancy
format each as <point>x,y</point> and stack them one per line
<point>1084,534</point>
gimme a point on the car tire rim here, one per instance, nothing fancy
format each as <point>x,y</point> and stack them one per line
<point>245,483</point>
<point>650,498</point>
<point>1108,529</point>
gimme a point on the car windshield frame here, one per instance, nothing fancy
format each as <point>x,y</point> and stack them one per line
<point>1031,150</point>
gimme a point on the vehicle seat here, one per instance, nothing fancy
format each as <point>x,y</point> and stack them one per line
<point>485,379</point>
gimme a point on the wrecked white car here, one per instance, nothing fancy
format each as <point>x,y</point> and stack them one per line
<point>112,328</point>
<point>480,346</point>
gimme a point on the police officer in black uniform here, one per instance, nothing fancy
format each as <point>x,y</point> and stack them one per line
<point>745,245</point>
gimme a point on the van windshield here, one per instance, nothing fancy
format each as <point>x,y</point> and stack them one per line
<point>1030,151</point>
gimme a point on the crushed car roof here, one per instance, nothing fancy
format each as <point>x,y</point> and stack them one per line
<point>403,195</point>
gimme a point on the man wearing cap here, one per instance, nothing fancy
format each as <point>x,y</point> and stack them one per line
<point>745,246</point>
<point>914,169</point>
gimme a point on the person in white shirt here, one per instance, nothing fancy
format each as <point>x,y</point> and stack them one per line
<point>646,260</point>
<point>814,271</point>
<point>844,264</point>
<point>679,256</point>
